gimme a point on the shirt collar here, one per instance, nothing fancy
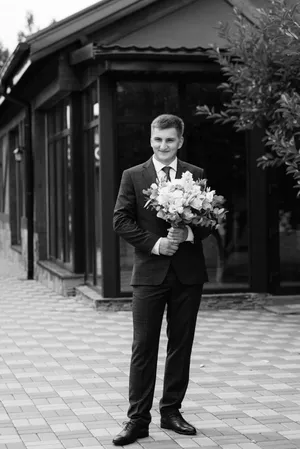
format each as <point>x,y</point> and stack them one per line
<point>159,166</point>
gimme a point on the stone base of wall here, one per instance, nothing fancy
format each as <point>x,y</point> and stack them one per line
<point>58,279</point>
<point>239,301</point>
<point>7,251</point>
<point>48,273</point>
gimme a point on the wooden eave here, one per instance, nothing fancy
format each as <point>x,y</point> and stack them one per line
<point>116,52</point>
<point>14,61</point>
<point>77,27</point>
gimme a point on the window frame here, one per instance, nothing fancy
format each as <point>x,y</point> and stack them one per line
<point>17,208</point>
<point>60,184</point>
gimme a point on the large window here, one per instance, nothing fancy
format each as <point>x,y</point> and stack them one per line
<point>60,185</point>
<point>221,151</point>
<point>2,178</point>
<point>218,149</point>
<point>92,185</point>
<point>137,104</point>
<point>289,230</point>
<point>4,166</point>
<point>17,185</point>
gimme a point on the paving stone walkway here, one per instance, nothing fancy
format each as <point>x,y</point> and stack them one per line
<point>64,375</point>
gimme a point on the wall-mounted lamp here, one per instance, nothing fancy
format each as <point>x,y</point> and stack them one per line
<point>18,152</point>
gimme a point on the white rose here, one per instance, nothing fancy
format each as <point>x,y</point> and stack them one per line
<point>210,195</point>
<point>197,202</point>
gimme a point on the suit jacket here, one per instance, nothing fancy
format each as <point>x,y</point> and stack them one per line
<point>141,228</point>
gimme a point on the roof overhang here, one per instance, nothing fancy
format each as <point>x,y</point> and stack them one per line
<point>145,59</point>
<point>15,62</point>
<point>69,31</point>
<point>116,52</point>
<point>75,29</point>
<point>78,26</point>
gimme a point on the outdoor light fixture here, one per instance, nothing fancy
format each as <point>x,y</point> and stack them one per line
<point>18,152</point>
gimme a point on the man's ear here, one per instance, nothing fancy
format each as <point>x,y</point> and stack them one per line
<point>181,141</point>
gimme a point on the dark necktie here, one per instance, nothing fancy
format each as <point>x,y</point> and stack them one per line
<point>167,169</point>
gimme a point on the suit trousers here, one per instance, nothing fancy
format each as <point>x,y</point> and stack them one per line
<point>148,306</point>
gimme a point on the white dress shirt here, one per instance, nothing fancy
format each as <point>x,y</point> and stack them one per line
<point>160,174</point>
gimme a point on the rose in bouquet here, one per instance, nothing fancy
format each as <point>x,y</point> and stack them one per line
<point>184,201</point>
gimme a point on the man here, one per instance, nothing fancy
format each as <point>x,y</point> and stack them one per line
<point>169,270</point>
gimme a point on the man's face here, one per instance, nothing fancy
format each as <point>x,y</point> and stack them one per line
<point>165,144</point>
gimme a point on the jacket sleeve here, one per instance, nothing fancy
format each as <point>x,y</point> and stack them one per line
<point>125,216</point>
<point>201,233</point>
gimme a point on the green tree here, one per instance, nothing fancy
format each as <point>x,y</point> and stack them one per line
<point>261,65</point>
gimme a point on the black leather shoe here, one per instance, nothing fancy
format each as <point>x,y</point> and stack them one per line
<point>131,432</point>
<point>174,421</point>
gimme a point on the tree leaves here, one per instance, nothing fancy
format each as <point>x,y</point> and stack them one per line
<point>261,66</point>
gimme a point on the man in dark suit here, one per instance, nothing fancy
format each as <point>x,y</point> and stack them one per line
<point>169,270</point>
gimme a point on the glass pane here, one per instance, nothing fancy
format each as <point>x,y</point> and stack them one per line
<point>91,105</point>
<point>133,148</point>
<point>59,117</point>
<point>59,202</point>
<point>202,94</point>
<point>17,188</point>
<point>52,199</point>
<point>222,153</point>
<point>67,116</point>
<point>289,230</point>
<point>51,123</point>
<point>60,184</point>
<point>146,99</point>
<point>2,159</point>
<point>89,215</point>
<point>19,201</point>
<point>67,199</point>
<point>96,158</point>
<point>133,143</point>
<point>93,225</point>
<point>218,149</point>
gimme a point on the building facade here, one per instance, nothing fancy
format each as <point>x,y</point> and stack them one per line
<point>76,104</point>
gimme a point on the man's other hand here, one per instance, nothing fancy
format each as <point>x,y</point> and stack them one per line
<point>167,247</point>
<point>178,235</point>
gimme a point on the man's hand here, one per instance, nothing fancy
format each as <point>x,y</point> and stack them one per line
<point>167,247</point>
<point>178,235</point>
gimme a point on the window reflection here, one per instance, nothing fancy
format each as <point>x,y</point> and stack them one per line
<point>92,186</point>
<point>218,149</point>
<point>95,110</point>
<point>68,116</point>
<point>289,230</point>
<point>140,99</point>
<point>222,153</point>
<point>60,183</point>
<point>91,105</point>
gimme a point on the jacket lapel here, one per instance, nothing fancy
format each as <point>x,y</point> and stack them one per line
<point>180,169</point>
<point>149,172</point>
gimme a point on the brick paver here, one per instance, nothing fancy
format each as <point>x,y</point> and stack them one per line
<point>64,375</point>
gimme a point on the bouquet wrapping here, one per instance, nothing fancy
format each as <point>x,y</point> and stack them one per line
<point>184,201</point>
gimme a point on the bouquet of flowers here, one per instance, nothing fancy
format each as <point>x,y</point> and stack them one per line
<point>184,201</point>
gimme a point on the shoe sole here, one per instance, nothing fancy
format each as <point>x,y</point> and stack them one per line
<point>143,435</point>
<point>164,426</point>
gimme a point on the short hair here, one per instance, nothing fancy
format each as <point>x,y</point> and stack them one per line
<point>165,121</point>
